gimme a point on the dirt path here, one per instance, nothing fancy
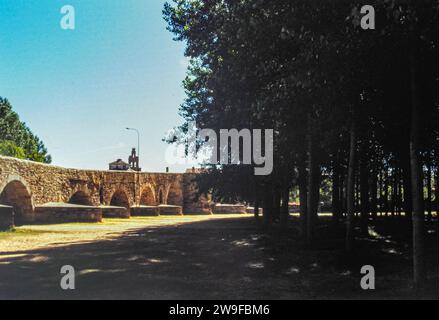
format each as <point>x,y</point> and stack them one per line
<point>45,236</point>
<point>221,257</point>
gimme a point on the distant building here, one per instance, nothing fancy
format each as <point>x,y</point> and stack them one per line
<point>132,165</point>
<point>119,165</point>
<point>133,160</point>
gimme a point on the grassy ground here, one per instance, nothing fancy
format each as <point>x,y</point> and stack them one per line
<point>40,236</point>
<point>204,257</point>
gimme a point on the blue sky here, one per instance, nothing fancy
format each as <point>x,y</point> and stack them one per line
<point>79,89</point>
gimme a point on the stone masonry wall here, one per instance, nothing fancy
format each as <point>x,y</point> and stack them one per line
<point>25,185</point>
<point>6,217</point>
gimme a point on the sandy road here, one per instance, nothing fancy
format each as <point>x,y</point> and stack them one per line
<point>193,257</point>
<point>27,238</point>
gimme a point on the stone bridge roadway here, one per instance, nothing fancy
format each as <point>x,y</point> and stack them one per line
<point>45,193</point>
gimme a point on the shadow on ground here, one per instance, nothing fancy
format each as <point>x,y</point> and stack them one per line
<point>215,259</point>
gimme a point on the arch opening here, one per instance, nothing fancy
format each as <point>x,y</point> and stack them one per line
<point>16,195</point>
<point>81,198</point>
<point>147,198</point>
<point>120,199</point>
<point>161,198</point>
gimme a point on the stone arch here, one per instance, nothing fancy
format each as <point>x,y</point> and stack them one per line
<point>174,194</point>
<point>16,194</point>
<point>81,198</point>
<point>147,197</point>
<point>120,199</point>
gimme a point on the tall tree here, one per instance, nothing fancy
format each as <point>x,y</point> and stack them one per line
<point>16,139</point>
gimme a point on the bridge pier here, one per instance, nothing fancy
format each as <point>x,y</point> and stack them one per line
<point>6,217</point>
<point>145,211</point>
<point>54,213</point>
<point>115,212</point>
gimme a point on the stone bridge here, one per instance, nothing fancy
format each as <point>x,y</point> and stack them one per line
<point>39,192</point>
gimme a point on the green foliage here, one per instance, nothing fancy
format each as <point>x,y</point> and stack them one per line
<point>16,139</point>
<point>358,106</point>
<point>10,149</point>
<point>307,70</point>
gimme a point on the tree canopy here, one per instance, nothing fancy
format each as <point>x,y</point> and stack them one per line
<point>351,108</point>
<point>16,139</point>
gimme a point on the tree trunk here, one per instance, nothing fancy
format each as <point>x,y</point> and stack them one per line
<point>399,192</point>
<point>416,178</point>
<point>408,204</point>
<point>256,202</point>
<point>256,209</point>
<point>284,214</point>
<point>395,192</point>
<point>386,192</point>
<point>351,188</point>
<point>303,195</point>
<point>268,205</point>
<point>276,204</point>
<point>436,193</point>
<point>357,194</point>
<point>380,192</point>
<point>342,194</point>
<point>317,181</point>
<point>429,191</point>
<point>312,190</point>
<point>373,192</point>
<point>336,205</point>
<point>364,191</point>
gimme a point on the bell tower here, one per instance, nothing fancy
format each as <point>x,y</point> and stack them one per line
<point>133,160</point>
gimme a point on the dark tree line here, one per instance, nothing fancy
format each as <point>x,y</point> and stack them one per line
<point>356,107</point>
<point>16,139</point>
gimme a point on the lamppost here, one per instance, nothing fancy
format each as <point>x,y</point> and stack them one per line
<point>138,140</point>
